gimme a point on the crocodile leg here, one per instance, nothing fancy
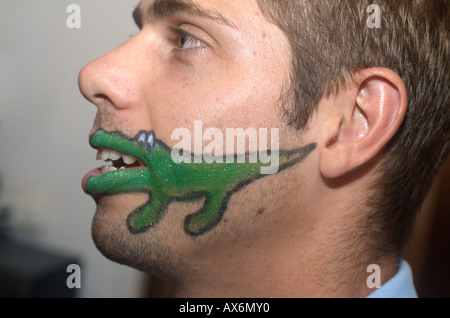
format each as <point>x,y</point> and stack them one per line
<point>147,215</point>
<point>208,216</point>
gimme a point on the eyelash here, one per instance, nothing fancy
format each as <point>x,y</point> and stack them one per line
<point>184,38</point>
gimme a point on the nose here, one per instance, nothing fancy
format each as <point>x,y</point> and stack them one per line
<point>112,80</point>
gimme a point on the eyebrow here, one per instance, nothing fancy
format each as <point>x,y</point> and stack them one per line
<point>166,9</point>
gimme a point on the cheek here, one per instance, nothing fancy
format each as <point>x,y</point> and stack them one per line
<point>244,101</point>
<point>225,99</point>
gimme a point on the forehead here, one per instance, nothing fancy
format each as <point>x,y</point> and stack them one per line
<point>234,13</point>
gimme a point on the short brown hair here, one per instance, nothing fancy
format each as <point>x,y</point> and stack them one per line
<point>331,41</point>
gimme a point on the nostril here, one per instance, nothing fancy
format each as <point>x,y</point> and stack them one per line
<point>104,99</point>
<point>101,96</point>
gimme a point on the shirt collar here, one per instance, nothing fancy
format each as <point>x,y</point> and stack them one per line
<point>399,286</point>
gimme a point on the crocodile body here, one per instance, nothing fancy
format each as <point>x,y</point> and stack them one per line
<point>166,181</point>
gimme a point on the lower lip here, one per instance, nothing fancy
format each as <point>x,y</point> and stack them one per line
<point>98,172</point>
<point>93,173</point>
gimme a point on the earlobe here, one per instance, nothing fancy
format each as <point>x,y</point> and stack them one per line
<point>371,111</point>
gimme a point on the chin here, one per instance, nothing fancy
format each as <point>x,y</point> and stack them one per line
<point>148,252</point>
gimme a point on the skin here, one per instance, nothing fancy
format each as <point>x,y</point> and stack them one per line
<point>284,235</point>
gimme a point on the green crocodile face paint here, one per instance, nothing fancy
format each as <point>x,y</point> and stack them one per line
<point>166,181</point>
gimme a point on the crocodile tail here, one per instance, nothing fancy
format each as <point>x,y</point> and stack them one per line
<point>288,158</point>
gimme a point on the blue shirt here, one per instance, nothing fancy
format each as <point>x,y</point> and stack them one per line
<point>399,286</point>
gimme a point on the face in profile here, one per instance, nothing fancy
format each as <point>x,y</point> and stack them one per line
<point>215,61</point>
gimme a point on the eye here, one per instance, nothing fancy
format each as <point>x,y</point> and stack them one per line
<point>188,41</point>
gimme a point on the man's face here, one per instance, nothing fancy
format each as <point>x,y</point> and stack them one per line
<point>218,61</point>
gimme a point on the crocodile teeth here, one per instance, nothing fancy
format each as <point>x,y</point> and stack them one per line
<point>106,169</point>
<point>129,160</point>
<point>111,155</point>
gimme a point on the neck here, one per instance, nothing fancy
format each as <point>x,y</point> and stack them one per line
<point>315,265</point>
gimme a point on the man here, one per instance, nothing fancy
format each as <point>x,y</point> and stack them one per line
<point>357,114</point>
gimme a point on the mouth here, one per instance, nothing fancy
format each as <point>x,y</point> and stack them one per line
<point>124,169</point>
<point>115,161</point>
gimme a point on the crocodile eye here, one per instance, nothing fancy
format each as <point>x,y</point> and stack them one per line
<point>151,141</point>
<point>142,139</point>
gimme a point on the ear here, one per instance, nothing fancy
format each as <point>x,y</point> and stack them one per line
<point>365,115</point>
